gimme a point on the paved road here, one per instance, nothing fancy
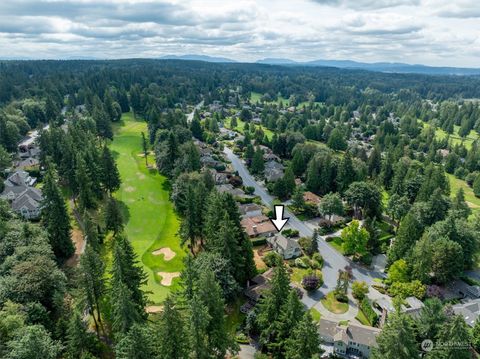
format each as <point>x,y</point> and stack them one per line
<point>333,261</point>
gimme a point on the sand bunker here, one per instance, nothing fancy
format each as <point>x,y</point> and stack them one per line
<point>151,309</point>
<point>129,189</point>
<point>168,254</point>
<point>167,277</point>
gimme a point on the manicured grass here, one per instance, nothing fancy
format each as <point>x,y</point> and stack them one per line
<point>298,274</point>
<point>333,305</point>
<point>150,219</point>
<point>455,184</point>
<point>234,317</point>
<point>316,315</point>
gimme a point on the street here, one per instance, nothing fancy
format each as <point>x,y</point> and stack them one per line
<point>333,261</point>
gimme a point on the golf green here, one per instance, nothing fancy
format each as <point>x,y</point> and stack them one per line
<point>151,223</point>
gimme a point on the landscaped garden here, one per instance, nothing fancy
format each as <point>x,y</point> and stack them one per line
<point>151,223</point>
<point>333,305</point>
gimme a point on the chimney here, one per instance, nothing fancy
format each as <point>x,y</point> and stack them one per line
<point>254,227</point>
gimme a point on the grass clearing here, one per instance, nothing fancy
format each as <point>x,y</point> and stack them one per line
<point>455,184</point>
<point>151,222</point>
<point>333,305</point>
<point>362,318</point>
<point>455,139</point>
<point>241,127</point>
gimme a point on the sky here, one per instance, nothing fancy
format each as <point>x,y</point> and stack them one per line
<point>431,32</point>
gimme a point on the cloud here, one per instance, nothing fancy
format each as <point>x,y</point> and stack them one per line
<point>417,31</point>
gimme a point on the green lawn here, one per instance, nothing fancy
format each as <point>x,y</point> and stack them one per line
<point>316,315</point>
<point>455,184</point>
<point>454,137</point>
<point>241,126</point>
<point>334,305</point>
<point>151,221</point>
<point>337,243</point>
<point>362,318</point>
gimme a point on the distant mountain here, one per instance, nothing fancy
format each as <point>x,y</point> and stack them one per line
<point>276,61</point>
<point>204,58</point>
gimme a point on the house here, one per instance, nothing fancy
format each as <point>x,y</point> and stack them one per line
<point>469,311</point>
<point>270,157</point>
<point>311,198</point>
<point>28,146</point>
<point>27,163</point>
<point>258,226</point>
<point>348,341</point>
<point>257,120</point>
<point>286,247</point>
<point>228,188</point>
<point>209,161</point>
<point>250,210</point>
<point>273,171</point>
<point>255,289</point>
<point>24,199</point>
<point>412,306</point>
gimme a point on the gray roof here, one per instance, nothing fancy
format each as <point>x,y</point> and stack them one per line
<point>19,178</point>
<point>273,165</point>
<point>353,332</point>
<point>283,242</point>
<point>273,174</point>
<point>30,199</point>
<point>249,207</point>
<point>470,311</point>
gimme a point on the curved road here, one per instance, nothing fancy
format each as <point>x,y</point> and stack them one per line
<point>333,261</point>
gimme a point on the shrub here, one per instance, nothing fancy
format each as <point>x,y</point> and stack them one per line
<point>305,242</point>
<point>470,178</point>
<point>317,257</point>
<point>359,290</point>
<point>311,282</point>
<point>272,259</point>
<point>242,339</point>
<point>461,172</point>
<point>414,288</point>
<point>367,309</point>
<point>290,233</point>
<point>249,190</point>
<point>259,242</point>
<point>301,263</point>
<point>341,297</point>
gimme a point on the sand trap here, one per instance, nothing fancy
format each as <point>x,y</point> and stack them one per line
<point>167,253</point>
<point>167,277</point>
<point>151,309</point>
<point>129,189</point>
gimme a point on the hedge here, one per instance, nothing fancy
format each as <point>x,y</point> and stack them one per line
<point>367,309</point>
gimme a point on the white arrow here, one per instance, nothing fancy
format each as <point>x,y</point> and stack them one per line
<point>279,222</point>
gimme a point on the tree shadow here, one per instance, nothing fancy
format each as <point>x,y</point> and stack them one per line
<point>125,211</point>
<point>115,154</point>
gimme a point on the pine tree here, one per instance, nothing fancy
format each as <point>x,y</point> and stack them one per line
<point>374,163</point>
<point>346,172</point>
<point>78,339</point>
<point>85,194</point>
<point>113,216</point>
<point>454,331</point>
<point>91,231</point>
<point>210,294</point>
<point>137,344</point>
<point>258,165</point>
<point>289,181</point>
<point>304,341</point>
<point>124,312</point>
<point>56,219</point>
<point>298,200</point>
<point>459,205</point>
<point>199,320</point>
<point>145,148</point>
<point>476,186</point>
<point>173,343</point>
<point>110,177</point>
<point>397,339</point>
<point>92,283</point>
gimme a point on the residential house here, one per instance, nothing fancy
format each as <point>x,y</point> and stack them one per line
<point>24,199</point>
<point>347,341</point>
<point>469,311</point>
<point>250,210</point>
<point>412,306</point>
<point>286,247</point>
<point>311,198</point>
<point>255,289</point>
<point>258,226</point>
<point>273,171</point>
<point>28,146</point>
<point>270,157</point>
<point>27,163</point>
<point>228,188</point>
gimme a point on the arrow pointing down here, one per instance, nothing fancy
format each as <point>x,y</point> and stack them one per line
<point>279,222</point>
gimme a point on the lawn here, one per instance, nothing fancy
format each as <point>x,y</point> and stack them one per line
<point>337,243</point>
<point>362,318</point>
<point>455,184</point>
<point>333,305</point>
<point>454,137</point>
<point>316,315</point>
<point>151,222</point>
<point>298,274</point>
<point>241,125</point>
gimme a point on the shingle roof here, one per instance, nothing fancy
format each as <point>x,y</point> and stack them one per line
<point>353,332</point>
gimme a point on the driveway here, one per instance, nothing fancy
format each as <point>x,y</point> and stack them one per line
<point>333,261</point>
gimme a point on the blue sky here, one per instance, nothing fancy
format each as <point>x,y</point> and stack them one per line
<point>433,32</point>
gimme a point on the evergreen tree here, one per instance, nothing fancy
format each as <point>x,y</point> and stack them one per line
<point>336,140</point>
<point>455,331</point>
<point>397,339</point>
<point>374,163</point>
<point>298,200</point>
<point>346,173</point>
<point>110,177</point>
<point>85,194</point>
<point>196,128</point>
<point>173,343</point>
<point>476,186</point>
<point>459,205</point>
<point>113,216</point>
<point>92,283</point>
<point>432,319</point>
<point>289,181</point>
<point>56,219</point>
<point>79,341</point>
<point>137,344</point>
<point>33,342</point>
<point>198,320</point>
<point>304,341</point>
<point>258,165</point>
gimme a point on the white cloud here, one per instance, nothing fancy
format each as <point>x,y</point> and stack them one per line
<point>437,32</point>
